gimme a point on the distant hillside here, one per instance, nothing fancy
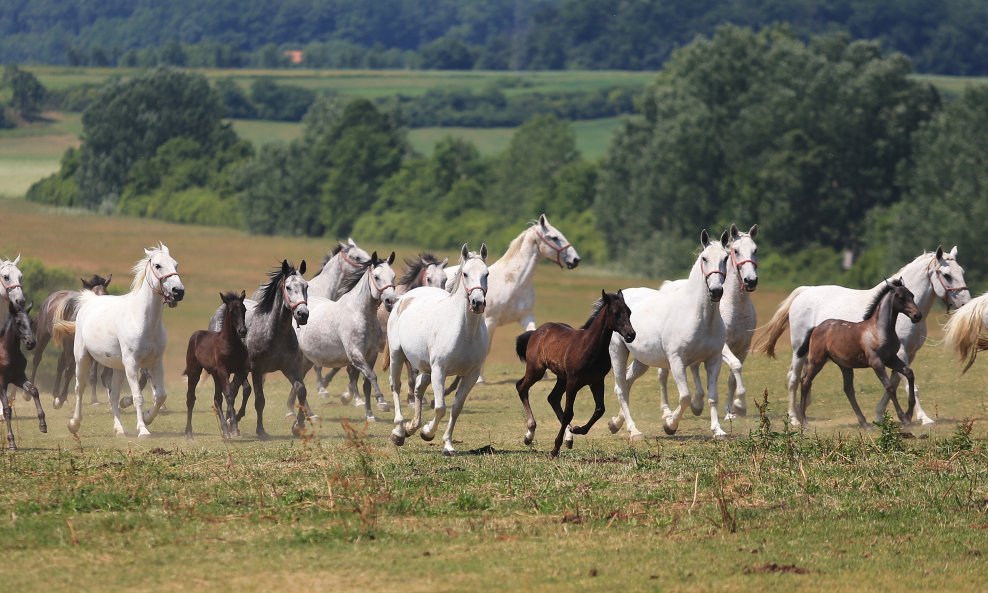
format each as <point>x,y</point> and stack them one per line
<point>941,37</point>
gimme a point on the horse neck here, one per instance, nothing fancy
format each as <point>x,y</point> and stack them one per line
<point>696,286</point>
<point>10,337</point>
<point>329,277</point>
<point>734,293</point>
<point>359,298</point>
<point>149,301</point>
<point>884,320</point>
<point>598,335</point>
<point>280,315</point>
<point>520,265</point>
<point>227,332</point>
<point>916,278</point>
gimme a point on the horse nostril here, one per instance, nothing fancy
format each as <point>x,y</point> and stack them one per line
<point>717,292</point>
<point>178,293</point>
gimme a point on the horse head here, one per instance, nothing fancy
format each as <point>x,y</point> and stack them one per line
<point>473,272</point>
<point>10,281</point>
<point>236,312</point>
<point>553,245</point>
<point>162,275</point>
<point>744,256</point>
<point>903,301</point>
<point>20,322</point>
<point>619,314</point>
<point>713,263</point>
<point>947,278</point>
<point>353,255</point>
<point>382,280</point>
<point>435,274</point>
<point>97,284</point>
<point>295,291</point>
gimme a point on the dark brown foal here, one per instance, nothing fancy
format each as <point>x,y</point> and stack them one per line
<point>578,357</point>
<point>221,354</point>
<point>871,343</point>
<point>13,365</point>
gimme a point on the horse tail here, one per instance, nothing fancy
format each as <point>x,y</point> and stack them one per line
<point>768,334</point>
<point>805,346</point>
<point>965,332</point>
<point>521,344</point>
<point>62,328</point>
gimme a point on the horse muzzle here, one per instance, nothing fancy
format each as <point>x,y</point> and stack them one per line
<point>629,336</point>
<point>30,344</point>
<point>716,294</point>
<point>389,303</point>
<point>750,284</point>
<point>573,263</point>
<point>916,318</point>
<point>301,315</point>
<point>478,306</point>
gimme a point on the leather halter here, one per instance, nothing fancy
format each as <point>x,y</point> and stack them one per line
<point>288,301</point>
<point>160,290</point>
<point>946,289</point>
<point>9,287</point>
<point>559,250</point>
<point>737,266</point>
<point>380,289</point>
<point>707,274</point>
<point>470,289</point>
<point>345,258</point>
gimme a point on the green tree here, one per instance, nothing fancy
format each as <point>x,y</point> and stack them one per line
<point>27,92</point>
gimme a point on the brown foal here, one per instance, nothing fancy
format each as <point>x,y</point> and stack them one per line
<point>871,343</point>
<point>13,365</point>
<point>578,357</point>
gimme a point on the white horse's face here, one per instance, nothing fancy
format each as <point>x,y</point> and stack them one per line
<point>10,282</point>
<point>296,294</point>
<point>164,272</point>
<point>382,280</point>
<point>947,278</point>
<point>713,264</point>
<point>354,255</point>
<point>553,245</point>
<point>435,274</point>
<point>473,267</point>
<point>744,256</point>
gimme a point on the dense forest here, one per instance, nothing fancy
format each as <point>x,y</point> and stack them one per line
<point>939,36</point>
<point>829,144</point>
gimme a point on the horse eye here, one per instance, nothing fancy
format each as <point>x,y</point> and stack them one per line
<point>947,277</point>
<point>6,277</point>
<point>736,252</point>
<point>704,258</point>
<point>157,266</point>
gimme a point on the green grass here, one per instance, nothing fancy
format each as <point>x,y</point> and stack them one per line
<point>29,153</point>
<point>766,509</point>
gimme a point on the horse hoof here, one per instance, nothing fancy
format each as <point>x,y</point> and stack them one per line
<point>263,436</point>
<point>298,429</point>
<point>449,453</point>
<point>730,416</point>
<point>74,425</point>
<point>613,426</point>
<point>636,437</point>
<point>696,409</point>
<point>740,408</point>
<point>382,406</point>
<point>720,435</point>
<point>43,428</point>
<point>323,392</point>
<point>58,403</point>
<point>668,430</point>
<point>569,444</point>
<point>397,440</point>
<point>126,402</point>
<point>346,398</point>
<point>143,434</point>
<point>926,421</point>
<point>528,440</point>
<point>427,436</point>
<point>188,436</point>
<point>371,418</point>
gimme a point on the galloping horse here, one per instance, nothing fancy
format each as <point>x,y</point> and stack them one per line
<point>13,365</point>
<point>440,334</point>
<point>347,332</point>
<point>871,343</point>
<point>512,278</point>
<point>966,332</point>
<point>271,341</point>
<point>578,357</point>
<point>220,354</point>
<point>677,326</point>
<point>125,333</point>
<point>928,276</point>
<point>97,285</point>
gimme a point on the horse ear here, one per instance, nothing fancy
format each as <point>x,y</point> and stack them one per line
<point>391,258</point>
<point>724,239</point>
<point>243,295</point>
<point>223,297</point>
<point>27,310</point>
<point>543,222</point>
<point>443,263</point>
<point>284,267</point>
<point>147,251</point>
<point>604,297</point>
<point>483,251</point>
<point>17,259</point>
<point>704,238</point>
<point>753,231</point>
<point>374,260</point>
<point>344,247</point>
<point>939,252</point>
<point>464,252</point>
<point>735,233</point>
<point>84,283</point>
<point>108,278</point>
<point>301,268</point>
<point>350,242</point>
<point>953,252</point>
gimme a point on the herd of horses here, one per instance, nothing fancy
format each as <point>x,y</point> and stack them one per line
<point>435,322</point>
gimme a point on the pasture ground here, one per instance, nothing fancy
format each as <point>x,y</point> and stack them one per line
<point>767,509</point>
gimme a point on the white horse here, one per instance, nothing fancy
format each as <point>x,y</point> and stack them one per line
<point>512,282</point>
<point>677,326</point>
<point>10,287</point>
<point>347,332</point>
<point>966,332</point>
<point>440,334</point>
<point>126,333</point>
<point>929,276</point>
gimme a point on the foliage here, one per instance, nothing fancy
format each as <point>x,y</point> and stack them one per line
<point>27,93</point>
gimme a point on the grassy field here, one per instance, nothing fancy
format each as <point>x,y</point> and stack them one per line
<point>29,153</point>
<point>766,509</point>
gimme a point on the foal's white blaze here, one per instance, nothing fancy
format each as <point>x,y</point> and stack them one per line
<point>440,334</point>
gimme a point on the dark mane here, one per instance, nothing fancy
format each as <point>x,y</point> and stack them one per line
<point>349,281</point>
<point>230,296</point>
<point>873,306</point>
<point>269,293</point>
<point>414,267</point>
<point>595,310</point>
<point>96,280</point>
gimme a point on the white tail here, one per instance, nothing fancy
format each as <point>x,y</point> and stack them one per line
<point>965,331</point>
<point>767,335</point>
<point>62,329</point>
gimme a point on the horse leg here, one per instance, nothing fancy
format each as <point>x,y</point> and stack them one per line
<point>82,363</point>
<point>890,386</point>
<point>243,402</point>
<point>670,420</point>
<point>467,383</point>
<point>794,376</point>
<point>533,374</point>
<point>736,405</point>
<point>320,386</point>
<point>115,380</point>
<point>133,371</point>
<point>565,419</point>
<point>219,392</point>
<point>366,368</point>
<point>369,384</point>
<point>157,388</point>
<point>60,370</point>
<point>918,413</point>
<point>192,373</point>
<point>231,398</point>
<point>712,366</point>
<point>851,396</point>
<point>30,388</point>
<point>438,380</point>
<point>399,432</point>
<point>597,389</point>
<point>258,381</point>
<point>93,376</point>
<point>7,416</point>
<point>41,342</point>
<point>812,369</point>
<point>900,367</point>
<point>298,388</point>
<point>624,378</point>
<point>696,403</point>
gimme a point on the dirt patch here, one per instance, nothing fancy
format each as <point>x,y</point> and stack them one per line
<point>772,567</point>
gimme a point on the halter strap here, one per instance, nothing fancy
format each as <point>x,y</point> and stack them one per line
<point>559,250</point>
<point>288,301</point>
<point>946,289</point>
<point>380,289</point>
<point>160,290</point>
<point>345,258</point>
<point>737,266</point>
<point>9,287</point>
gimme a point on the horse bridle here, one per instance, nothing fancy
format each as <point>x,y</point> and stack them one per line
<point>345,258</point>
<point>707,274</point>
<point>737,266</point>
<point>946,289</point>
<point>160,290</point>
<point>288,301</point>
<point>380,289</point>
<point>9,287</point>
<point>470,289</point>
<point>559,250</point>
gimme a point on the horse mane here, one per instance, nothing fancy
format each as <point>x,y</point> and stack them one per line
<point>414,267</point>
<point>595,310</point>
<point>229,296</point>
<point>329,255</point>
<point>95,281</point>
<point>140,271</point>
<point>269,291</point>
<point>514,248</point>
<point>455,285</point>
<point>873,306</point>
<point>349,281</point>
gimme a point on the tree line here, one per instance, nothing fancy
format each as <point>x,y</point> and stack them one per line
<point>828,144</point>
<point>940,36</point>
